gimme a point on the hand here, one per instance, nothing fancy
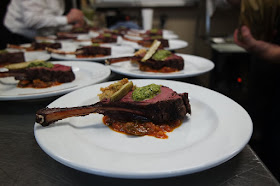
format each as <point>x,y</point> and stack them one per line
<point>260,48</point>
<point>75,17</point>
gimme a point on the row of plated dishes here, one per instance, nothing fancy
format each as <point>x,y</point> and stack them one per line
<point>97,45</point>
<point>174,119</point>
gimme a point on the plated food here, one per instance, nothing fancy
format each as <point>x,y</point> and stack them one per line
<point>154,60</point>
<point>147,38</point>
<point>86,73</point>
<point>193,66</point>
<point>155,33</point>
<point>149,110</point>
<point>148,41</point>
<point>94,52</point>
<point>85,51</point>
<point>147,33</point>
<point>199,143</point>
<point>7,57</point>
<point>105,38</point>
<point>65,36</point>
<point>119,31</point>
<point>39,74</point>
<point>36,46</point>
<point>173,44</point>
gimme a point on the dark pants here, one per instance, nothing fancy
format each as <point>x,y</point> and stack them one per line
<point>264,108</point>
<point>7,37</point>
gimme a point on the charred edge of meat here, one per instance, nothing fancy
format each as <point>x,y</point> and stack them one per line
<point>13,57</point>
<point>92,50</point>
<point>42,46</point>
<point>59,73</point>
<point>174,61</point>
<point>12,74</point>
<point>104,40</point>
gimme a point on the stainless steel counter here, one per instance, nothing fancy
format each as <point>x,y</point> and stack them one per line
<point>22,162</point>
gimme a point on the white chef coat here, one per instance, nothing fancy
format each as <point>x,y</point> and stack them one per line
<point>34,17</point>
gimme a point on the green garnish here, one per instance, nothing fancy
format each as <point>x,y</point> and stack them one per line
<point>47,42</point>
<point>107,35</point>
<point>80,29</point>
<point>156,37</point>
<point>95,44</point>
<point>161,55</point>
<point>29,64</point>
<point>40,64</point>
<point>154,30</point>
<point>146,92</point>
<point>3,51</point>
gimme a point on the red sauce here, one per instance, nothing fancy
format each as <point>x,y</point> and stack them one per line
<point>162,70</point>
<point>142,128</point>
<point>36,84</point>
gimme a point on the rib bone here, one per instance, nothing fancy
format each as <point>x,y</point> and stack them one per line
<point>12,74</point>
<point>119,59</point>
<point>47,116</point>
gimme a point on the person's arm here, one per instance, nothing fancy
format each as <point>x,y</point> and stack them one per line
<point>260,48</point>
<point>33,16</point>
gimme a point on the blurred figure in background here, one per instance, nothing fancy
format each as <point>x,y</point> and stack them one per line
<point>26,19</point>
<point>259,34</point>
<point>264,77</point>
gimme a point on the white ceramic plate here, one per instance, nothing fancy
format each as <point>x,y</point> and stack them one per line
<point>174,44</point>
<point>26,45</point>
<point>217,130</point>
<point>165,36</point>
<point>93,34</point>
<point>86,73</point>
<point>117,51</point>
<point>41,54</point>
<point>143,31</point>
<point>194,66</point>
<point>30,56</point>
